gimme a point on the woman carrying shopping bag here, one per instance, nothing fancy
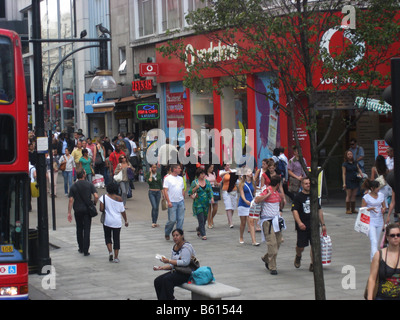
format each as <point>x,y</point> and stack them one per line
<point>202,195</point>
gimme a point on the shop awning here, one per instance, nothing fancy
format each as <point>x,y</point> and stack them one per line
<point>373,105</point>
<point>133,98</point>
<point>106,106</point>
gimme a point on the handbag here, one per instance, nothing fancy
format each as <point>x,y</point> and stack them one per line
<point>99,159</point>
<point>63,165</point>
<point>193,265</point>
<point>34,189</point>
<point>118,177</point>
<point>103,213</point>
<point>216,193</point>
<point>130,173</point>
<point>89,204</point>
<point>164,204</point>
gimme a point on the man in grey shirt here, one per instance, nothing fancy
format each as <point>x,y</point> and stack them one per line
<point>358,153</point>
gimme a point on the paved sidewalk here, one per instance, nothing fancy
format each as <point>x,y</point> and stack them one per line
<point>239,265</point>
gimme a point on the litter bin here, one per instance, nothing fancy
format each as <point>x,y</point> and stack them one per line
<point>33,245</point>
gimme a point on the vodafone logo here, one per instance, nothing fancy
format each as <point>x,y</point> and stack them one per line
<point>334,42</point>
<point>148,69</point>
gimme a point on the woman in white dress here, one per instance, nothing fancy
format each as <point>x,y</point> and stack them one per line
<point>375,202</point>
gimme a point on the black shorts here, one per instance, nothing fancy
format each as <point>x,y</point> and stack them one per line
<point>303,238</point>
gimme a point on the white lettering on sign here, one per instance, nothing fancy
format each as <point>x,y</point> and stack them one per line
<point>218,53</point>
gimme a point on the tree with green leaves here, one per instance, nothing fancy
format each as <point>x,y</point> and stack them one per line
<point>290,41</point>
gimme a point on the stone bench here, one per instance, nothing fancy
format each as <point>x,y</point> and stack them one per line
<point>211,291</point>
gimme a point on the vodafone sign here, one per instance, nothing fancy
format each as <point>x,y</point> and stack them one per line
<point>148,69</point>
<point>335,40</point>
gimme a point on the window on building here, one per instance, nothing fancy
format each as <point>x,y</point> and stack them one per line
<point>122,60</point>
<point>145,17</point>
<point>191,5</point>
<point>170,14</point>
<point>196,4</point>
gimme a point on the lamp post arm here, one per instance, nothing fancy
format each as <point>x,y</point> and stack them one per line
<point>50,142</point>
<point>60,63</point>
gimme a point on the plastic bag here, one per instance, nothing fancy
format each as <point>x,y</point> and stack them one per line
<point>255,208</point>
<point>98,181</point>
<point>326,249</point>
<point>362,221</point>
<point>202,276</point>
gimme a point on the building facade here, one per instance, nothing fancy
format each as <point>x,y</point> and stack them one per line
<point>144,101</point>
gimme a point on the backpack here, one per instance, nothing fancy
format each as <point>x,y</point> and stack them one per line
<point>281,168</point>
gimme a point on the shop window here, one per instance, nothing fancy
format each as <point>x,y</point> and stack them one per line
<point>202,111</point>
<point>234,108</point>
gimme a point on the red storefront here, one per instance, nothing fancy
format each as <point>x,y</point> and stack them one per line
<point>244,108</point>
<point>237,108</point>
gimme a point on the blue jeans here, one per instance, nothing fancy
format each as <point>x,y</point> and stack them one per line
<point>67,180</point>
<point>175,214</point>
<point>155,197</point>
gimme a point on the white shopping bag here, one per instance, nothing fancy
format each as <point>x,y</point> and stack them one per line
<point>326,249</point>
<point>255,208</point>
<point>98,181</point>
<point>362,221</point>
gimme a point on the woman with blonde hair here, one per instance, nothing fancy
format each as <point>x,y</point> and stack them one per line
<point>123,165</point>
<point>247,188</point>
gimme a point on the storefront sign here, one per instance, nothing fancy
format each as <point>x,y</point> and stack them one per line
<point>142,85</point>
<point>148,111</point>
<point>123,115</point>
<point>175,103</point>
<point>381,148</point>
<point>148,69</point>
<point>215,53</point>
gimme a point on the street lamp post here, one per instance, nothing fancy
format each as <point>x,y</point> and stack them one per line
<point>395,96</point>
<point>108,85</point>
<point>43,255</point>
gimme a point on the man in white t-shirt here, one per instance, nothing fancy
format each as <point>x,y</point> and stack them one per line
<point>174,192</point>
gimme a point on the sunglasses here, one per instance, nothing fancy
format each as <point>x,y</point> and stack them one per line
<point>394,235</point>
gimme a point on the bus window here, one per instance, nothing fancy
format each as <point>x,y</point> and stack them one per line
<point>7,139</point>
<point>12,224</point>
<point>6,71</point>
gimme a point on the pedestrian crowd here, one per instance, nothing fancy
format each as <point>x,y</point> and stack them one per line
<point>86,164</point>
<point>258,197</point>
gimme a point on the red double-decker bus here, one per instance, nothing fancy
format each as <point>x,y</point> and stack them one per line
<point>14,170</point>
